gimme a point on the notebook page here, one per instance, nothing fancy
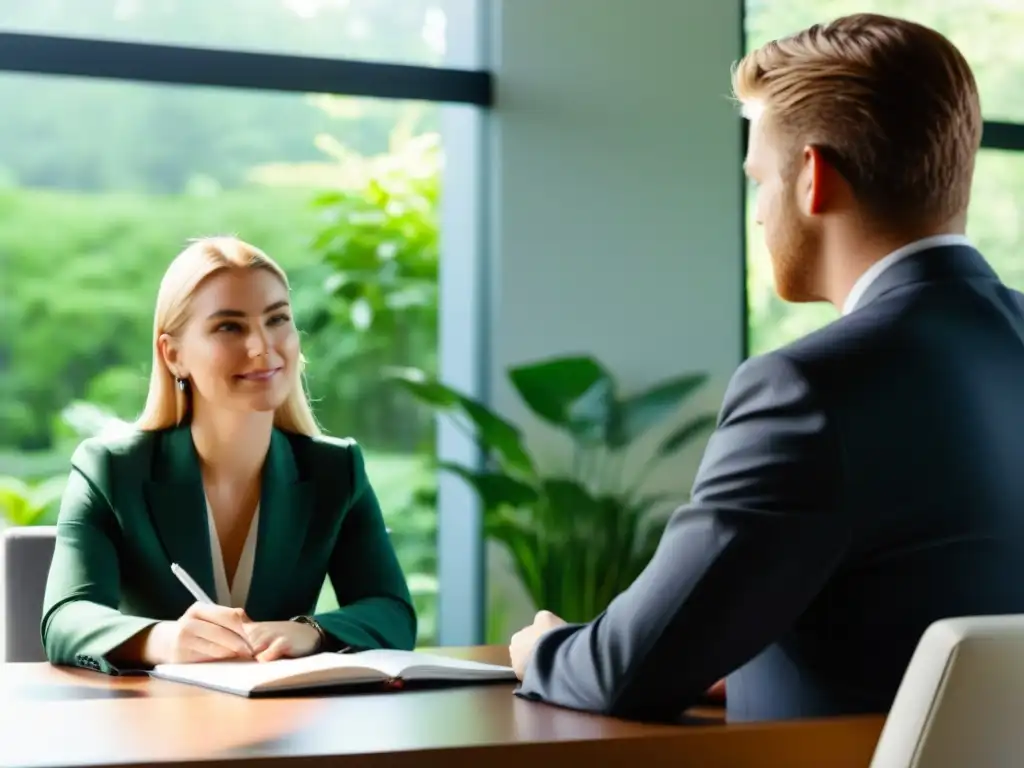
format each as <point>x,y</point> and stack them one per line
<point>250,675</point>
<point>395,663</point>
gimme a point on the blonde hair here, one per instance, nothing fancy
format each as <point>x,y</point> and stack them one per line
<point>166,405</point>
<point>892,105</point>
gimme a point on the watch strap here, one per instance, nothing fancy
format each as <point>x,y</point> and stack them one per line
<point>309,621</point>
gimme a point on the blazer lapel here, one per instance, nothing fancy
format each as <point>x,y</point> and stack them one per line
<point>178,508</point>
<point>286,506</point>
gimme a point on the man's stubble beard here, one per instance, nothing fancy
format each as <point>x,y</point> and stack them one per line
<point>796,256</point>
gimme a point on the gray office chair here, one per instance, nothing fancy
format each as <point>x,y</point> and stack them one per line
<point>25,557</point>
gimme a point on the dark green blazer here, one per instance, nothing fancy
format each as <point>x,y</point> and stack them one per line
<point>134,504</point>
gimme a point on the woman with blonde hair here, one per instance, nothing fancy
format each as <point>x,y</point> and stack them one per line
<point>226,475</point>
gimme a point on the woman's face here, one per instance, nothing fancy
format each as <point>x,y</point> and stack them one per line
<point>239,348</point>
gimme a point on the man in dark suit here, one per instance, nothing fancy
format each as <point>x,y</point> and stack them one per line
<point>868,479</point>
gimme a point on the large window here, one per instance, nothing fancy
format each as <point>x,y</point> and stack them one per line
<point>986,31</point>
<point>401,31</point>
<point>102,182</point>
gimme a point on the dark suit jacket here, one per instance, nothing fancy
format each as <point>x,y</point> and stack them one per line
<point>861,483</point>
<point>134,504</point>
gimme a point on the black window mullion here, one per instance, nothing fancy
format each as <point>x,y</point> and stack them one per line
<point>81,57</point>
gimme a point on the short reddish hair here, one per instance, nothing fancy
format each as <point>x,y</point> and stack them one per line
<point>893,106</point>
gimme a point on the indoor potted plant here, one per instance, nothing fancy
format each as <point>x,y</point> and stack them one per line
<point>577,537</point>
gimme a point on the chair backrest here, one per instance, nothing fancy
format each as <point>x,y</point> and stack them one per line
<point>26,556</point>
<point>961,698</point>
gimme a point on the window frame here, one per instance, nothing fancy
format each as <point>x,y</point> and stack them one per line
<point>463,334</point>
<point>184,65</point>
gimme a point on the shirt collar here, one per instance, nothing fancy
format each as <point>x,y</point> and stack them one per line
<point>876,269</point>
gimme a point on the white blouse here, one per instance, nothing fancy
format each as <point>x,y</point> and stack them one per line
<point>235,593</point>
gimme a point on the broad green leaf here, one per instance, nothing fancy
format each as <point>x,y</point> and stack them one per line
<point>638,413</point>
<point>569,498</point>
<point>551,388</point>
<point>499,435</point>
<point>684,434</point>
<point>14,500</point>
<point>15,486</point>
<point>424,389</point>
<point>24,504</point>
<point>494,432</point>
<point>590,417</point>
<point>495,489</point>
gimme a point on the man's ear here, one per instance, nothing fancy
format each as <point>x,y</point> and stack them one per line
<point>817,182</point>
<point>171,354</point>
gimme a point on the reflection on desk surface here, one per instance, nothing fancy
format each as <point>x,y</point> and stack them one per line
<point>105,721</point>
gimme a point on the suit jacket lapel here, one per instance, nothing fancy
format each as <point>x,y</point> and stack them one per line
<point>177,506</point>
<point>286,506</point>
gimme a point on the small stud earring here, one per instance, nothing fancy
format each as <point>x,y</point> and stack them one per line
<point>182,383</point>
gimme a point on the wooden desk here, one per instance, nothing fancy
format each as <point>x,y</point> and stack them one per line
<point>57,718</point>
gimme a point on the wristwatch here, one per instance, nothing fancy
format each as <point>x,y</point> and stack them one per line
<point>309,621</point>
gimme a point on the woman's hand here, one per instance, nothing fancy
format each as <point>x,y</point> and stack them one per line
<point>203,633</point>
<point>272,640</point>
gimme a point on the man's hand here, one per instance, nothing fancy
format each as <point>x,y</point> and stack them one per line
<point>272,640</point>
<point>523,642</point>
<point>717,692</point>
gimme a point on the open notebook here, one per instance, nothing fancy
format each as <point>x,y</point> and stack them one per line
<point>252,678</point>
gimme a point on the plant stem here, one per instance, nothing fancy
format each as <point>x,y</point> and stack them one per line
<point>619,464</point>
<point>468,433</point>
<point>641,478</point>
<point>586,464</point>
<point>589,585</point>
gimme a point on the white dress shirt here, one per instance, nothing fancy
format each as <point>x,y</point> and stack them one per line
<point>876,269</point>
<point>235,593</point>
